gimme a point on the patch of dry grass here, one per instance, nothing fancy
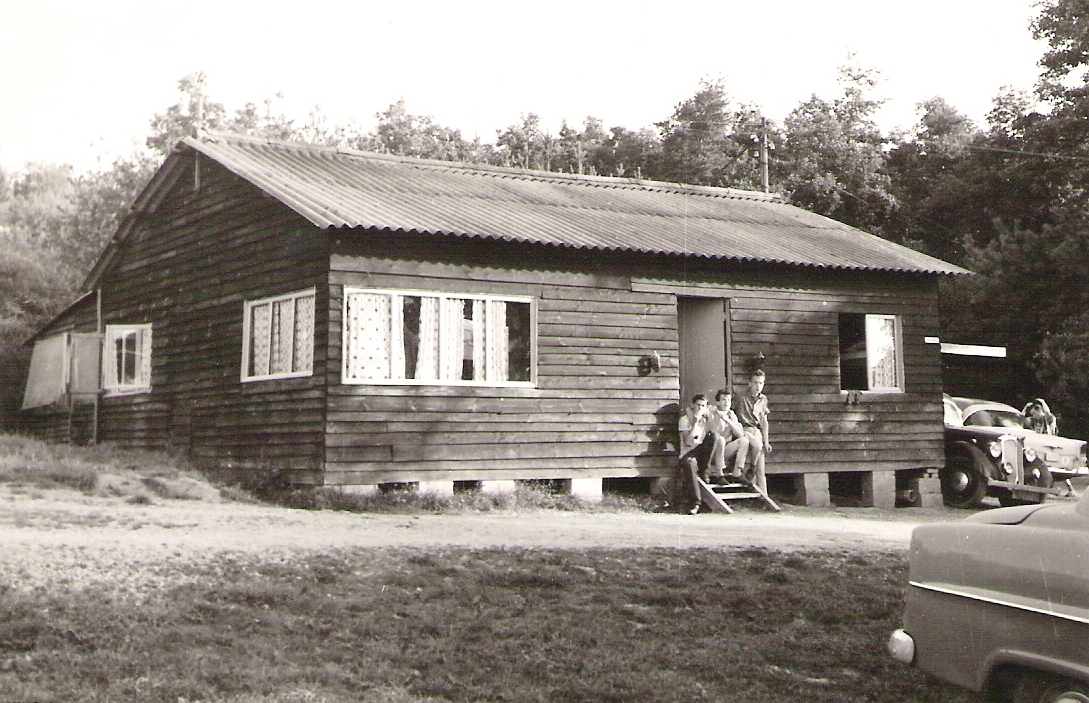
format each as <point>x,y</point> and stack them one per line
<point>26,461</point>
<point>141,477</point>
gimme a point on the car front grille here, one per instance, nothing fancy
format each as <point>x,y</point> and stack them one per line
<point>1013,461</point>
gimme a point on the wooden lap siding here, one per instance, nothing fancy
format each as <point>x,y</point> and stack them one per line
<point>591,413</point>
<point>189,270</point>
<point>792,320</point>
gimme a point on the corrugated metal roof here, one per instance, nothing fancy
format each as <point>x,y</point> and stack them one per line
<point>335,188</point>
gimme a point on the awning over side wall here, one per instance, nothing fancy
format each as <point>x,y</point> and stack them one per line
<point>45,383</point>
<point>60,365</point>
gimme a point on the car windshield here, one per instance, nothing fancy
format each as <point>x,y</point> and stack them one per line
<point>952,414</point>
<point>996,418</point>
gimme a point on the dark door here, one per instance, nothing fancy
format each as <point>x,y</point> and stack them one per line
<point>704,336</point>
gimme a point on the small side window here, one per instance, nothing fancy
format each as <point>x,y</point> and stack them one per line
<point>126,359</point>
<point>278,337</point>
<point>870,353</point>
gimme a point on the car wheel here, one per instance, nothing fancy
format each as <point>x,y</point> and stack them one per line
<point>964,481</point>
<point>1042,689</point>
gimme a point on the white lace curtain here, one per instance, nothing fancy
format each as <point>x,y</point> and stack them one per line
<point>375,329</point>
<point>370,338</point>
<point>881,347</point>
<point>497,362</point>
<point>442,334</point>
<point>282,336</point>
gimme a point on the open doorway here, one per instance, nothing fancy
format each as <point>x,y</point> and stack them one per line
<point>703,328</point>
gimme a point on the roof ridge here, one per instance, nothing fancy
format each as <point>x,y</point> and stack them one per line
<point>492,170</point>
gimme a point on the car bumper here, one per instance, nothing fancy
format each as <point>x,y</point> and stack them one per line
<point>1020,490</point>
<point>902,647</point>
<point>1061,473</point>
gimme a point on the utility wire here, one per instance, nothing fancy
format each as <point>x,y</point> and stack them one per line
<point>1020,152</point>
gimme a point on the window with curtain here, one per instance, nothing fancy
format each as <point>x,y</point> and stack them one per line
<point>870,353</point>
<point>126,359</point>
<point>278,338</point>
<point>437,338</point>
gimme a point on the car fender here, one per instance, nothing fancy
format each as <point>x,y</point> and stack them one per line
<point>1004,658</point>
<point>978,457</point>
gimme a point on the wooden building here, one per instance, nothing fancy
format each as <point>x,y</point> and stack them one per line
<point>356,319</point>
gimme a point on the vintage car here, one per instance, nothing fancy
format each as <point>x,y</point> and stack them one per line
<point>1064,458</point>
<point>999,603</point>
<point>985,461</point>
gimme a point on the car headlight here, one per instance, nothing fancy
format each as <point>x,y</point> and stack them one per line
<point>995,449</point>
<point>1030,454</point>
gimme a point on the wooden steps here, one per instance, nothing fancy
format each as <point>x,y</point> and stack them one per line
<point>715,496</point>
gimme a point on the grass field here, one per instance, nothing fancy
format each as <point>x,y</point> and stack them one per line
<point>465,625</point>
<point>408,626</point>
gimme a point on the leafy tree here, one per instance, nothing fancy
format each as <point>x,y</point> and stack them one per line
<point>30,294</point>
<point>929,182</point>
<point>196,111</point>
<point>399,132</point>
<point>36,281</point>
<point>627,153</point>
<point>710,141</point>
<point>101,201</point>
<point>832,156</point>
<point>318,130</point>
<point>1061,23</point>
<point>1030,288</point>
<point>526,145</point>
<point>1062,367</point>
<point>193,112</point>
<point>1064,87</point>
<point>268,121</point>
<point>38,205</point>
<point>575,149</point>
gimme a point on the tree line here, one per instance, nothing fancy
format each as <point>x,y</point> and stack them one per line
<point>1007,199</point>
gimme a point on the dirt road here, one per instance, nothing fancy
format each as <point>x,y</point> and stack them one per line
<point>63,538</point>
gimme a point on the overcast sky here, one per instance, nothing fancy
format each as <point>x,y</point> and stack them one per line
<point>80,79</point>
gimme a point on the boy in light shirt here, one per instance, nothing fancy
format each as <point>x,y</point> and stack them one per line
<point>730,439</point>
<point>751,408</point>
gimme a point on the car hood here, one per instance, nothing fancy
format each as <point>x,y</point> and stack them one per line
<point>1046,441</point>
<point>977,431</point>
<point>1008,516</point>
<point>1039,515</point>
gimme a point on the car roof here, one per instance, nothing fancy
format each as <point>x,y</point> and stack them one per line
<point>970,405</point>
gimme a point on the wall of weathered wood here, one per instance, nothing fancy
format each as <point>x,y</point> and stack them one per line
<point>591,413</point>
<point>192,262</point>
<point>792,319</point>
<point>188,269</point>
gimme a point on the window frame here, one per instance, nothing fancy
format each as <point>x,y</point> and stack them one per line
<point>247,335</point>
<point>143,352</point>
<point>346,339</point>
<point>898,346</point>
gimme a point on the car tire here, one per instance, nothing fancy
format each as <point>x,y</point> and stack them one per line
<point>1046,689</point>
<point>964,478</point>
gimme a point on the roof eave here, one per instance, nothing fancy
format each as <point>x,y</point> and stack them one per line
<point>945,270</point>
